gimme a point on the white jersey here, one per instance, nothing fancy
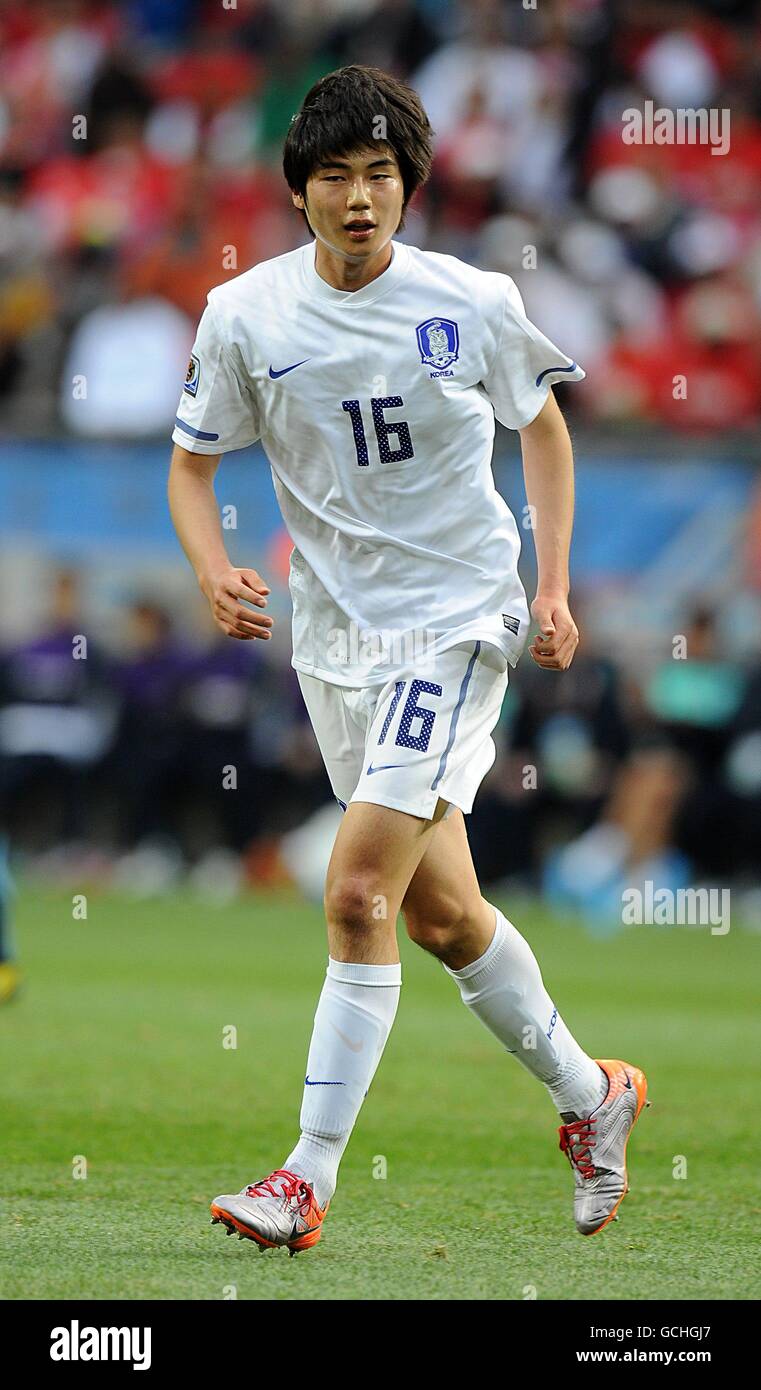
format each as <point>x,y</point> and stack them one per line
<point>375,408</point>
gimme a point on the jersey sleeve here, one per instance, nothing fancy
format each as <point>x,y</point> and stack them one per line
<point>525,366</point>
<point>217,410</point>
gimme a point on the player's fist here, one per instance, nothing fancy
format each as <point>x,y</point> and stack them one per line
<point>230,592</point>
<point>558,637</point>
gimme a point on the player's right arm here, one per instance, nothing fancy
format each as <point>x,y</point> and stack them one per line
<point>216,413</point>
<point>195,514</point>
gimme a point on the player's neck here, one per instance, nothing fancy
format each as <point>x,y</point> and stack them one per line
<point>343,274</point>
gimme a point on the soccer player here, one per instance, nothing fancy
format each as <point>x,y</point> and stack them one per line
<point>372,373</point>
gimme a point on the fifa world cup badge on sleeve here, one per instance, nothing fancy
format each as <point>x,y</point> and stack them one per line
<point>192,375</point>
<point>439,344</point>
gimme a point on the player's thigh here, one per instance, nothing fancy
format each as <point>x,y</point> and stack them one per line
<point>338,721</point>
<point>376,852</point>
<point>444,890</point>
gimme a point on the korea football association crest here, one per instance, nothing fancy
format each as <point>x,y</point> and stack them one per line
<point>192,375</point>
<point>439,344</point>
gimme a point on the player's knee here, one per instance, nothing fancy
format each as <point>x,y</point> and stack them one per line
<point>438,924</point>
<point>352,902</point>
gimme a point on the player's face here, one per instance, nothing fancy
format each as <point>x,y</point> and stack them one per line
<point>354,203</point>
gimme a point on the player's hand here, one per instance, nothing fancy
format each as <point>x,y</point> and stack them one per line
<point>558,637</point>
<point>229,594</point>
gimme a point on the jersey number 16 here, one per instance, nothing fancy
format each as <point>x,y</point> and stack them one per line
<point>383,430</point>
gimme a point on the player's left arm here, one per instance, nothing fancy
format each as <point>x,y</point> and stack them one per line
<point>548,472</point>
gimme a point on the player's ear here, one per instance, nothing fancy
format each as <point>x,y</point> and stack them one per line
<point>298,200</point>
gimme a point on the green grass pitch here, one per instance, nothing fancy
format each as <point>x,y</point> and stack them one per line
<point>114,1052</point>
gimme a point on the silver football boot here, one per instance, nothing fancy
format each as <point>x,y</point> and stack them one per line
<point>596,1146</point>
<point>279,1210</point>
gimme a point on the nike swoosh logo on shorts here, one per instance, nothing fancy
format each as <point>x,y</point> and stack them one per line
<point>285,370</point>
<point>355,1047</point>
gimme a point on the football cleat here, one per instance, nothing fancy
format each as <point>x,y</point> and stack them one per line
<point>596,1147</point>
<point>279,1210</point>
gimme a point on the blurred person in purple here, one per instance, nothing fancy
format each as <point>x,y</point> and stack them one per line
<point>147,759</point>
<point>57,716</point>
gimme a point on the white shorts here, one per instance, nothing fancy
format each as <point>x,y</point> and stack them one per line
<point>415,739</point>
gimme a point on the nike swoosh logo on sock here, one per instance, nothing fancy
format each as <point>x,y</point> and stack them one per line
<point>355,1047</point>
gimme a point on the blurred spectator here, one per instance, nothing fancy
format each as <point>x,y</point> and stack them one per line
<point>124,361</point>
<point>633,843</point>
<point>741,775</point>
<point>57,717</point>
<point>220,225</point>
<point>566,739</point>
<point>648,255</point>
<point>695,701</point>
<point>213,748</point>
<point>695,695</point>
<point>144,763</point>
<point>220,790</point>
<point>27,300</point>
<point>395,35</point>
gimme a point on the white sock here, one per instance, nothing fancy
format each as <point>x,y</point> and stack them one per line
<point>504,989</point>
<point>353,1020</point>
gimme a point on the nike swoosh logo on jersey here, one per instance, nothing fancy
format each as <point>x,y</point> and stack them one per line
<point>355,1047</point>
<point>307,1082</point>
<point>382,767</point>
<point>285,370</point>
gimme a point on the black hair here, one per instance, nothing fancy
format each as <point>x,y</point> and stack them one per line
<point>350,109</point>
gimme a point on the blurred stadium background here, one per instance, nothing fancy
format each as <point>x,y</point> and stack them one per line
<point>647,268</point>
<point>139,165</point>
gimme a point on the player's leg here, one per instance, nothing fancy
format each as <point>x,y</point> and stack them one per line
<point>393,815</point>
<point>500,981</point>
<point>496,970</point>
<point>443,909</point>
<point>376,852</point>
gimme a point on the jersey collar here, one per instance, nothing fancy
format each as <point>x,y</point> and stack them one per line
<point>381,285</point>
